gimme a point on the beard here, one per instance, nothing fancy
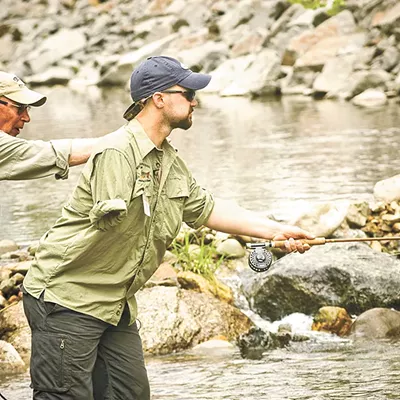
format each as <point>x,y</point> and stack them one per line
<point>184,124</point>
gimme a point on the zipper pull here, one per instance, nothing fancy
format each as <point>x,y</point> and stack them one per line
<point>62,345</point>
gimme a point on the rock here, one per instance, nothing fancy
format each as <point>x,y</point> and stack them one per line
<point>7,245</point>
<point>174,319</point>
<point>357,215</point>
<point>377,323</point>
<point>370,98</point>
<point>335,75</point>
<point>191,281</point>
<point>9,287</point>
<point>231,248</point>
<point>62,44</point>
<point>52,76</point>
<point>120,73</point>
<point>14,329</point>
<point>347,275</point>
<point>165,275</point>
<point>388,190</point>
<point>324,219</point>
<point>333,320</point>
<point>254,343</point>
<point>10,360</point>
<point>259,78</point>
<point>363,80</point>
<point>214,348</point>
<point>332,29</point>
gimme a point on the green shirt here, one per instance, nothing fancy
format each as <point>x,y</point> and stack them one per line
<point>126,209</point>
<point>30,159</point>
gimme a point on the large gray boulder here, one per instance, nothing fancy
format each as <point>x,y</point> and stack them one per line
<point>174,319</point>
<point>348,275</point>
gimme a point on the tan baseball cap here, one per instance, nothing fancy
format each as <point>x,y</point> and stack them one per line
<point>14,89</point>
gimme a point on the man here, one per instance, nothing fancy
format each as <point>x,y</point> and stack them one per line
<point>23,159</point>
<point>126,209</point>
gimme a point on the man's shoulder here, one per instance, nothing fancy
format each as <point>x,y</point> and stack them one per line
<point>118,140</point>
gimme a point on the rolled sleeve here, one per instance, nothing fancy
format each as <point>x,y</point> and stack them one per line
<point>62,149</point>
<point>32,159</point>
<point>108,213</point>
<point>111,185</point>
<point>198,207</point>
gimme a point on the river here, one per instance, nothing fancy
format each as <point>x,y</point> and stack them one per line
<point>269,156</point>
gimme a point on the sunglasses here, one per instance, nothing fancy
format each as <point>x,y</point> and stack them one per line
<point>21,107</point>
<point>188,94</point>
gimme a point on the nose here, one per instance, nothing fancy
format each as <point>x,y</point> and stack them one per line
<point>25,116</point>
<point>194,103</point>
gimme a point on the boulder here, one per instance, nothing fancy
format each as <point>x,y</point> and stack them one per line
<point>388,190</point>
<point>371,98</point>
<point>173,319</point>
<point>347,275</point>
<point>15,330</point>
<point>10,360</point>
<point>377,323</point>
<point>7,245</point>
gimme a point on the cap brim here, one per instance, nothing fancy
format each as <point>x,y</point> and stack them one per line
<point>28,97</point>
<point>195,81</point>
<point>133,110</point>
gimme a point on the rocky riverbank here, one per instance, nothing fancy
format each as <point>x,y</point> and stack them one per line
<point>181,309</point>
<point>251,47</point>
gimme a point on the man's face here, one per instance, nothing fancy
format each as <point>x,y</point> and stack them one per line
<point>179,108</point>
<point>12,120</point>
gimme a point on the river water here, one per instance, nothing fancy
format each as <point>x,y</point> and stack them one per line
<point>269,156</point>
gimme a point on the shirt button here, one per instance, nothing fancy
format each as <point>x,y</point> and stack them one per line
<point>119,306</point>
<point>118,312</point>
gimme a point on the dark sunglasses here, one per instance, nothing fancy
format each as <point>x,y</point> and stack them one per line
<point>188,94</point>
<point>21,107</point>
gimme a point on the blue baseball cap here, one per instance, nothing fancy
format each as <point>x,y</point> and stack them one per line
<point>160,73</point>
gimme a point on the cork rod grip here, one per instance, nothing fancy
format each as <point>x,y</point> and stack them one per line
<point>312,242</point>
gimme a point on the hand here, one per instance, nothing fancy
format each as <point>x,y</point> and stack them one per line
<point>289,234</point>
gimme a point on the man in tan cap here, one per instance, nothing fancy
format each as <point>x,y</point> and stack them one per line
<point>30,159</point>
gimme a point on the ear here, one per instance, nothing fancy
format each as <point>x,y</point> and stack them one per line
<point>158,99</point>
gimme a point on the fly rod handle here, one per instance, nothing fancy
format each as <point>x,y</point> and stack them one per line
<point>312,242</point>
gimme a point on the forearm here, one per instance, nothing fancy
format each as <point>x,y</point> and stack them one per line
<point>81,149</point>
<point>231,218</point>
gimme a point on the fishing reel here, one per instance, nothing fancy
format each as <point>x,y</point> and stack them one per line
<point>260,259</point>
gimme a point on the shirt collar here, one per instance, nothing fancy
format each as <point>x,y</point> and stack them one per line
<point>143,141</point>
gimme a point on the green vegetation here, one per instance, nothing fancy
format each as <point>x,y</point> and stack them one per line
<point>203,261</point>
<point>337,6</point>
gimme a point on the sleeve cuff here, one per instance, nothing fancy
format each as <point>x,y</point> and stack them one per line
<point>62,148</point>
<point>108,213</point>
<point>203,218</point>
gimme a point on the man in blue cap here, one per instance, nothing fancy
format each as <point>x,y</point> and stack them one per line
<point>128,206</point>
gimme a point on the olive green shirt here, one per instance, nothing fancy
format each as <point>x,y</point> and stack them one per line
<point>30,159</point>
<point>126,209</point>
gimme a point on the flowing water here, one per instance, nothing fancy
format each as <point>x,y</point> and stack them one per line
<point>324,368</point>
<point>268,156</point>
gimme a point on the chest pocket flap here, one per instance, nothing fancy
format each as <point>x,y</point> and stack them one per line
<point>177,188</point>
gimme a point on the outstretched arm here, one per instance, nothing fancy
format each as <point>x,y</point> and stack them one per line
<point>231,218</point>
<point>81,149</point>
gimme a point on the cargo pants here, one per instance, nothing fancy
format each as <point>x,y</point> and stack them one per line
<point>79,357</point>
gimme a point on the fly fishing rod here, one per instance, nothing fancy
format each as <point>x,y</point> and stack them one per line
<point>260,259</point>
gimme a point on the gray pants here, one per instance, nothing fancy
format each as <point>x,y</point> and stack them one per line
<point>79,357</point>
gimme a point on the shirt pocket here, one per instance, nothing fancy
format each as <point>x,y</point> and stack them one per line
<point>176,194</point>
